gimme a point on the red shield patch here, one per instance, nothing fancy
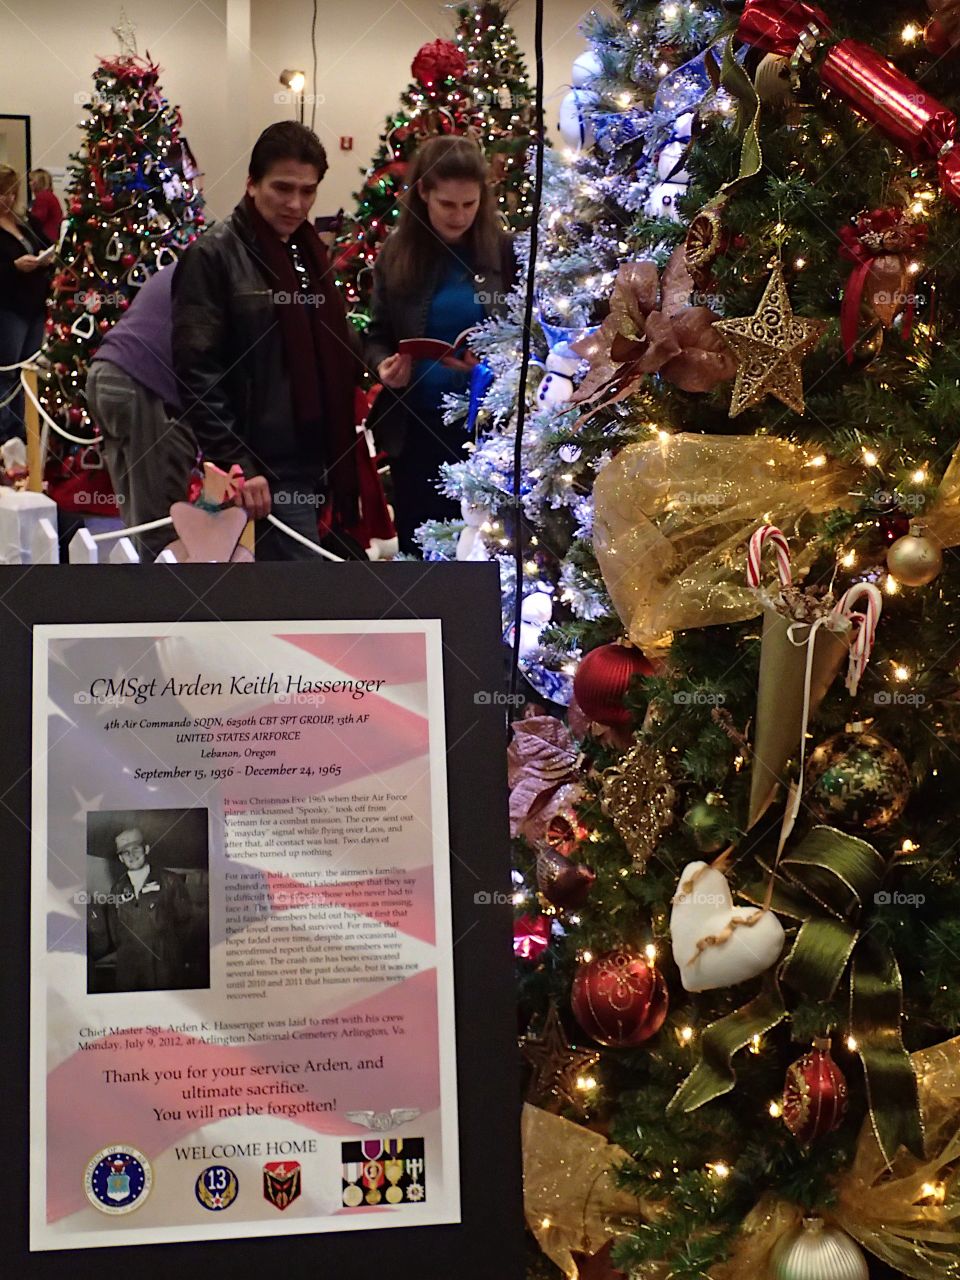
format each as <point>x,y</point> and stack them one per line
<point>281,1182</point>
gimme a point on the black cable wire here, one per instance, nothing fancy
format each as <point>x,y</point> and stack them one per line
<point>525,352</point>
<point>313,46</point>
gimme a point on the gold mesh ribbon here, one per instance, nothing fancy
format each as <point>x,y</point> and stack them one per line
<point>571,1198</point>
<point>909,1215</point>
<point>767,1221</point>
<point>673,518</point>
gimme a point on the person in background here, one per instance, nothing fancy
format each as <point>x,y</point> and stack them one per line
<point>445,268</point>
<point>134,398</point>
<point>45,209</point>
<point>265,354</point>
<point>24,281</point>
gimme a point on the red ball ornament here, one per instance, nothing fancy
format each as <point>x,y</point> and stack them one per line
<point>563,883</point>
<point>123,304</point>
<point>128,259</point>
<point>619,999</point>
<point>74,416</point>
<point>60,368</point>
<point>103,326</point>
<point>199,219</point>
<point>565,831</point>
<point>76,205</point>
<point>894,525</point>
<point>107,202</point>
<point>814,1095</point>
<point>602,680</point>
<point>937,38</point>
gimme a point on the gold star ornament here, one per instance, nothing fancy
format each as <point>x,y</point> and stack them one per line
<point>770,345</point>
<point>556,1064</point>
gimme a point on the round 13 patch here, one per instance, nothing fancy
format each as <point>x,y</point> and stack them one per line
<point>217,1187</point>
<point>118,1179</point>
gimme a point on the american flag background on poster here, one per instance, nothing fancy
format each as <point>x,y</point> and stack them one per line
<point>242,1007</point>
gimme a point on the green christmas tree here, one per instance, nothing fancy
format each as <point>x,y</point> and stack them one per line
<point>132,206</point>
<point>757,994</point>
<point>476,83</point>
<point>504,118</point>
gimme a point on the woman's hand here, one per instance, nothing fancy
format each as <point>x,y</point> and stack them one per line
<point>395,371</point>
<point>463,363</point>
<point>28,262</point>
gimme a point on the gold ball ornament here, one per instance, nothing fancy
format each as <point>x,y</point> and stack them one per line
<point>814,1251</point>
<point>915,560</point>
<point>774,81</point>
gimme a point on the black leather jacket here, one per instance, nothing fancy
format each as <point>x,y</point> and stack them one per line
<point>228,353</point>
<point>397,315</point>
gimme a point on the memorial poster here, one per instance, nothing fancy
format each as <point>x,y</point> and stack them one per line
<point>242,1006</point>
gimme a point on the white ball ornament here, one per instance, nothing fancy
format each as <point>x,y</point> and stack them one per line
<point>817,1252</point>
<point>576,128</point>
<point>586,67</point>
<point>716,944</point>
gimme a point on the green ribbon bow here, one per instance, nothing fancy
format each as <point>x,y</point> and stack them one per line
<point>825,883</point>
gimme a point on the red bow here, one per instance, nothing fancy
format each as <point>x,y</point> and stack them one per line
<point>876,245</point>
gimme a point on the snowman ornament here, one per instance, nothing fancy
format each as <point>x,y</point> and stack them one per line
<point>470,544</point>
<point>674,178</point>
<point>556,386</point>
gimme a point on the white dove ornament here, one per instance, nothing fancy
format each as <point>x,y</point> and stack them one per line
<point>716,944</point>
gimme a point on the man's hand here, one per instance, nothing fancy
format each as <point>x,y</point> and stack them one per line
<point>27,262</point>
<point>395,371</point>
<point>254,497</point>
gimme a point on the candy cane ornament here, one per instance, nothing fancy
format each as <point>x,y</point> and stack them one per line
<point>861,645</point>
<point>768,534</point>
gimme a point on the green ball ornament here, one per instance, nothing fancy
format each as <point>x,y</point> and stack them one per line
<point>814,1251</point>
<point>708,822</point>
<point>857,781</point>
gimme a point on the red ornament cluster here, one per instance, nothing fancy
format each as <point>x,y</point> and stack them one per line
<point>814,1095</point>
<point>436,61</point>
<point>619,999</point>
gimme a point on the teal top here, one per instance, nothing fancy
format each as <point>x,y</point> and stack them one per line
<point>454,307</point>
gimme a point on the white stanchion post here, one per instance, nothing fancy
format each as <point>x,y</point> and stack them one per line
<point>124,552</point>
<point>44,544</point>
<point>20,513</point>
<point>83,549</point>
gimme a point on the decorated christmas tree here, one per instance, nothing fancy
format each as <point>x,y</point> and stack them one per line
<point>435,102</point>
<point>132,206</point>
<point>475,83</point>
<point>627,120</point>
<point>503,103</point>
<point>738,909</point>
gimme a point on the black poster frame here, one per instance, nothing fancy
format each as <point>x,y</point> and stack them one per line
<point>488,1243</point>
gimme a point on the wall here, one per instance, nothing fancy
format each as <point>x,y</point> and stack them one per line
<point>221,60</point>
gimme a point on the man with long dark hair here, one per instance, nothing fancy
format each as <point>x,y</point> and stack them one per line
<point>264,350</point>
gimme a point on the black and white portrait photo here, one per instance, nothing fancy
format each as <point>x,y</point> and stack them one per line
<point>147,900</point>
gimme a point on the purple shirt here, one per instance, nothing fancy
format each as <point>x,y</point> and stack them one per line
<point>140,342</point>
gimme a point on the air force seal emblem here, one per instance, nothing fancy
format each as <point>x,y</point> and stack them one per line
<point>217,1187</point>
<point>281,1182</point>
<point>118,1179</point>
